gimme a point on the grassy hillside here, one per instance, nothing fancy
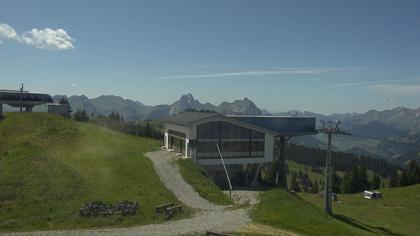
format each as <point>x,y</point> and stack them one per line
<point>196,177</point>
<point>282,209</point>
<point>398,213</point>
<point>51,166</point>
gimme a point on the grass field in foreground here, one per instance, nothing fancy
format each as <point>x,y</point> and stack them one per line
<point>51,166</point>
<point>196,177</point>
<point>398,213</point>
<point>285,210</point>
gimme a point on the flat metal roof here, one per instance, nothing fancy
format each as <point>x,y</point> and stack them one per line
<point>282,125</point>
<point>188,117</point>
<point>278,125</point>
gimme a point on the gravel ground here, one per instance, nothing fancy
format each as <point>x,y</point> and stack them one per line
<point>221,221</point>
<point>172,179</point>
<point>208,217</point>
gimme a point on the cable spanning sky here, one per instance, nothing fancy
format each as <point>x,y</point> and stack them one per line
<point>321,56</point>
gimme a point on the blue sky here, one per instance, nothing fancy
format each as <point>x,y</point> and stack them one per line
<point>321,56</point>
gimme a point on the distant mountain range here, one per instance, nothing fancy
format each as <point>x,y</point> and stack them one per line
<point>133,110</point>
<point>391,134</point>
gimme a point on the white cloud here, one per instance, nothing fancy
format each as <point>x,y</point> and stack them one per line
<point>396,89</point>
<point>74,85</point>
<point>284,71</point>
<point>52,39</point>
<point>7,32</point>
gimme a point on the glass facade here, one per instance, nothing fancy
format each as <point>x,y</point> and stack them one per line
<point>234,141</point>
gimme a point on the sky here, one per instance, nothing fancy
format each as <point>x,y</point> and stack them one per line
<point>322,56</point>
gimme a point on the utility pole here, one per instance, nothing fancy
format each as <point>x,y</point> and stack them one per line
<point>329,128</point>
<point>21,99</point>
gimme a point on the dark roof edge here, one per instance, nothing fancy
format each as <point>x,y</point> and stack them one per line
<point>188,123</point>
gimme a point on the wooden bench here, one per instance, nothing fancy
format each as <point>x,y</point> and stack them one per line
<point>170,211</point>
<point>211,233</point>
<point>161,208</point>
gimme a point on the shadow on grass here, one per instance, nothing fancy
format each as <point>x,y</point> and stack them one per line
<point>369,228</point>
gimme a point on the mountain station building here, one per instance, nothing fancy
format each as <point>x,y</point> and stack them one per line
<point>243,140</point>
<point>26,101</point>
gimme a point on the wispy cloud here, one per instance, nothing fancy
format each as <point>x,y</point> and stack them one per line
<point>52,39</point>
<point>256,73</point>
<point>205,65</point>
<point>396,89</point>
<point>365,83</point>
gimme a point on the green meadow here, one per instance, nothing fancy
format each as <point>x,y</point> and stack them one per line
<point>51,166</point>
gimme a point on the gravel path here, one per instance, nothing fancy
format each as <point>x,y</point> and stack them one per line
<point>211,220</point>
<point>209,216</point>
<point>172,179</point>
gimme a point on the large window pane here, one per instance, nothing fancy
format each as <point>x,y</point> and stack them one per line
<point>235,141</point>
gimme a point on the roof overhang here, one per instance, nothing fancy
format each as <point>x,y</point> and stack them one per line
<point>13,98</point>
<point>278,126</point>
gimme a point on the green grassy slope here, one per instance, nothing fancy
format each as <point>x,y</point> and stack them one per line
<point>398,213</point>
<point>51,166</point>
<point>195,176</point>
<point>282,209</point>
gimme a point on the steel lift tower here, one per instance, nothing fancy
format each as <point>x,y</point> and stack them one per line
<point>329,128</point>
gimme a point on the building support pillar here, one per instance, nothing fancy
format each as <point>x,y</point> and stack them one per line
<point>254,182</point>
<point>165,140</point>
<point>1,111</point>
<point>186,148</point>
<point>281,176</point>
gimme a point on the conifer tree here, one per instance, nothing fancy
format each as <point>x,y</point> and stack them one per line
<point>315,187</point>
<point>413,170</point>
<point>375,182</point>
<point>394,179</point>
<point>404,179</point>
<point>362,178</point>
<point>294,186</point>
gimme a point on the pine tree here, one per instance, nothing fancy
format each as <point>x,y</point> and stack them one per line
<point>346,185</point>
<point>294,186</point>
<point>80,116</point>
<point>404,179</point>
<point>394,179</point>
<point>363,182</point>
<point>315,187</point>
<point>375,182</point>
<point>336,183</point>
<point>412,172</point>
